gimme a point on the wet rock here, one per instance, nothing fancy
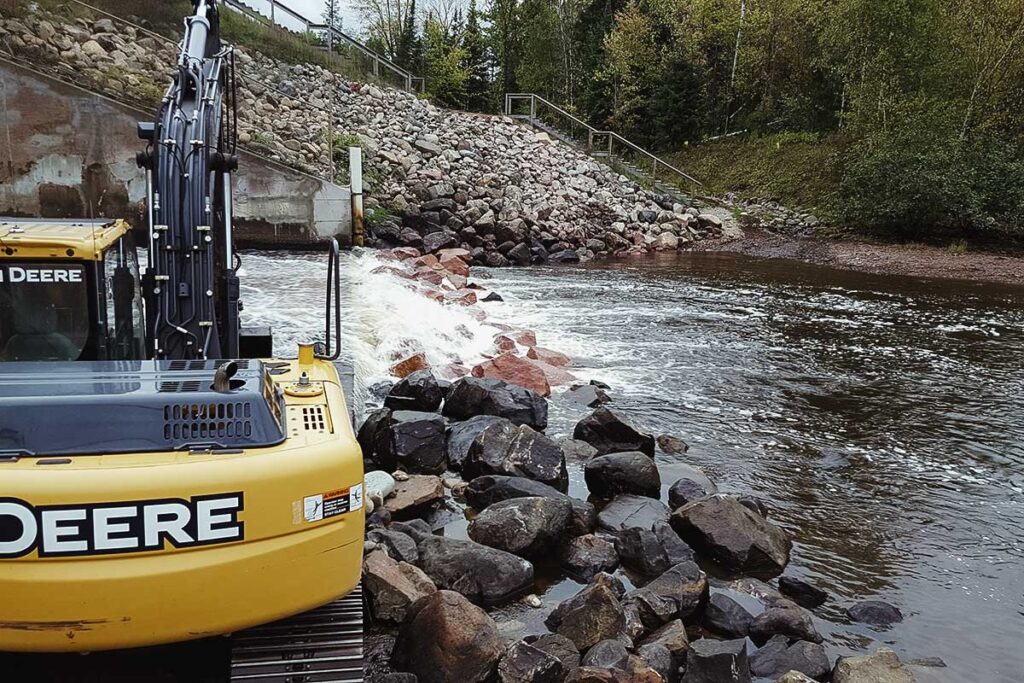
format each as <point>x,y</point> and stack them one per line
<point>593,674</point>
<point>629,511</point>
<point>414,496</point>
<point>717,661</point>
<point>792,622</point>
<point>485,491</point>
<point>592,615</point>
<point>875,613</point>
<point>559,360</point>
<point>615,473</point>
<point>754,504</point>
<point>416,391</point>
<point>410,365</point>
<point>606,654</point>
<point>658,658</point>
<point>692,485</point>
<point>393,586</point>
<point>485,575</point>
<point>588,555</point>
<point>672,636</point>
<point>576,451</point>
<point>881,667</point>
<point>517,451</point>
<point>677,594</point>
<point>780,655</point>
<point>471,396</point>
<point>588,395</point>
<point>413,441</point>
<point>733,536</point>
<point>371,432</point>
<point>524,663</point>
<point>416,529</point>
<point>672,445</point>
<point>803,593</point>
<point>608,433</point>
<point>528,527</point>
<point>651,551</point>
<point>397,545</point>
<point>727,617</point>
<point>516,370</point>
<point>559,647</point>
<point>460,437</point>
<point>446,638</point>
<point>794,677</point>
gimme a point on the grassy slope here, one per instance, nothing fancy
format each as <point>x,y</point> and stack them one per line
<point>796,170</point>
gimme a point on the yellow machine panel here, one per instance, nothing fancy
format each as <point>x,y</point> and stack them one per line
<point>38,238</point>
<point>136,549</point>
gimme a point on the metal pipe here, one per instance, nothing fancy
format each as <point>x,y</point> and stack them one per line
<point>355,174</point>
<point>228,245</point>
<point>149,214</point>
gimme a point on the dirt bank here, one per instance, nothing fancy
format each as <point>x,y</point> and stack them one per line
<point>911,260</point>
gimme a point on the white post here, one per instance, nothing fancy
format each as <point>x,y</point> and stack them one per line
<point>355,175</point>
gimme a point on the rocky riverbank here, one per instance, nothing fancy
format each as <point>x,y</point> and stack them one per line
<point>472,513</point>
<point>436,178</point>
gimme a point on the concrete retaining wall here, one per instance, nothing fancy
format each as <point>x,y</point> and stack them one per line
<point>67,153</point>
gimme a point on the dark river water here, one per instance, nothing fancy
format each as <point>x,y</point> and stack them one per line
<point>881,418</point>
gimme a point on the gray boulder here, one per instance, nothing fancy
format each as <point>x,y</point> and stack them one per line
<point>416,391</point>
<point>559,647</point>
<point>692,485</point>
<point>780,654</point>
<point>485,575</point>
<point>629,511</point>
<point>792,622</point>
<point>881,667</point>
<point>803,593</point>
<point>733,536</point>
<point>413,441</point>
<point>592,615</point>
<point>461,435</point>
<point>524,663</point>
<point>614,473</point>
<point>470,396</point>
<point>875,613</point>
<point>678,593</point>
<point>588,555</point>
<point>727,617</point>
<point>528,527</point>
<point>609,433</point>
<point>487,490</point>
<point>606,654</point>
<point>717,661</point>
<point>651,551</point>
<point>397,545</point>
<point>516,451</point>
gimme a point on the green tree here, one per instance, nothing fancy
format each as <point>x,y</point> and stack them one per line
<point>444,63</point>
<point>478,85</point>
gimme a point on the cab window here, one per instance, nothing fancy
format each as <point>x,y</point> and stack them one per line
<point>124,325</point>
<point>44,311</point>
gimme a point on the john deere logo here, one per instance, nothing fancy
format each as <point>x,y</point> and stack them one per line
<point>105,528</point>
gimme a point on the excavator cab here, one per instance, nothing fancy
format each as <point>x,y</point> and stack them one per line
<point>69,291</point>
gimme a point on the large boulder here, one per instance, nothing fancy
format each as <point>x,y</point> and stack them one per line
<point>803,593</point>
<point>415,496</point>
<point>671,636</point>
<point>614,473</point>
<point>447,638</point>
<point>483,574</point>
<point>528,527</point>
<point>609,433</point>
<point>727,617</point>
<point>738,539</point>
<point>413,441</point>
<point>677,594</point>
<point>780,654</point>
<point>588,555</point>
<point>524,663</point>
<point>881,667</point>
<point>691,485</point>
<point>717,661</point>
<point>397,545</point>
<point>791,621</point>
<point>461,435</point>
<point>606,654</point>
<point>515,370</point>
<point>471,396</point>
<point>516,451</point>
<point>592,615</point>
<point>416,391</point>
<point>559,647</point>
<point>485,491</point>
<point>651,551</point>
<point>629,511</point>
<point>372,431</point>
<point>393,586</point>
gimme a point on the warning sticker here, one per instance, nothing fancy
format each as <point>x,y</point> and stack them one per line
<point>332,503</point>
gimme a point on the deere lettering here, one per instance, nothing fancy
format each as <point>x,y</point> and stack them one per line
<point>105,528</point>
<point>18,274</point>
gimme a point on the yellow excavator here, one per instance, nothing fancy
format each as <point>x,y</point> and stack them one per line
<point>159,481</point>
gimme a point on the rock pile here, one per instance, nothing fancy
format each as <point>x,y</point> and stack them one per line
<point>669,624</point>
<point>448,179</point>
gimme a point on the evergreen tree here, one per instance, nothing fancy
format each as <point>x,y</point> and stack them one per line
<point>405,46</point>
<point>476,63</point>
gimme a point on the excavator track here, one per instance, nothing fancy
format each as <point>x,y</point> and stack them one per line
<point>324,644</point>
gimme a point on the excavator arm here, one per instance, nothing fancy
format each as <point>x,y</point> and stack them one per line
<point>190,286</point>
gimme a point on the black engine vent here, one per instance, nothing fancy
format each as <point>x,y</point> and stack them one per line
<point>178,387</point>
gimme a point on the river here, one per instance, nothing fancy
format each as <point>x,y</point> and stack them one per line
<point>881,418</point>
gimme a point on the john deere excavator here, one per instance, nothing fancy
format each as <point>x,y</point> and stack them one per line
<point>158,481</point>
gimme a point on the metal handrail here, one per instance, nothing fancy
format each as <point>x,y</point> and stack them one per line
<point>592,132</point>
<point>412,83</point>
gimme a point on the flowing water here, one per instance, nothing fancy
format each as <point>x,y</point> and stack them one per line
<point>881,418</point>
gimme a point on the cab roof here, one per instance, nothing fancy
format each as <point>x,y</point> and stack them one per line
<point>82,239</point>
